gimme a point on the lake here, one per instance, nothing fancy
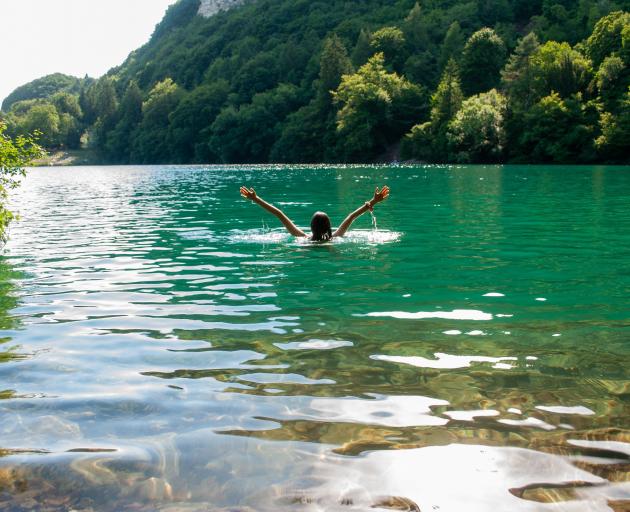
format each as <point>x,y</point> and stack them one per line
<point>167,346</point>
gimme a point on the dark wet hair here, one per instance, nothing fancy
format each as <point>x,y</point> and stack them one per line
<point>320,226</point>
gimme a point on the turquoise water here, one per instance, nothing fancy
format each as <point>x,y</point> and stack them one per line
<point>166,346</point>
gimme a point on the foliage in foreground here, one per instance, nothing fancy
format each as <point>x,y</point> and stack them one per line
<point>298,81</point>
<point>14,155</point>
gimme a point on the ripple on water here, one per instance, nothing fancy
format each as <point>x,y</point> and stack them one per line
<point>392,411</point>
<point>160,350</point>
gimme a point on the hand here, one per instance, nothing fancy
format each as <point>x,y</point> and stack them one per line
<point>380,195</point>
<point>248,193</point>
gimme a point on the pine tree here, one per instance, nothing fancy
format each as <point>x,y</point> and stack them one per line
<point>415,28</point>
<point>448,98</point>
<point>518,75</point>
<point>363,49</point>
<point>453,43</point>
<point>118,142</point>
<point>445,103</point>
<point>333,64</point>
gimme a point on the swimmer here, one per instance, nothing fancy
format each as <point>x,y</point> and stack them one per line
<point>320,223</point>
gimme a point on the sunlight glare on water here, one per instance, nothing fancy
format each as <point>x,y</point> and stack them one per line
<point>166,345</point>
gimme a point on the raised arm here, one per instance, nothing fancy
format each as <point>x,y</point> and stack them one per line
<point>368,205</point>
<point>291,228</point>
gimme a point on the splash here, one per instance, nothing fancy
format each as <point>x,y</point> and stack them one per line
<point>280,236</point>
<point>259,236</point>
<point>374,226</point>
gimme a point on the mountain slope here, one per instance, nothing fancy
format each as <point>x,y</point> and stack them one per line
<point>253,83</point>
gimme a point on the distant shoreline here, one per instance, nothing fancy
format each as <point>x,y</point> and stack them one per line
<point>64,158</point>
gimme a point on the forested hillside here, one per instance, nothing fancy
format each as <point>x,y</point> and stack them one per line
<point>355,81</point>
<point>45,87</point>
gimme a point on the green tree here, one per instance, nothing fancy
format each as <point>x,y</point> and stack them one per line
<point>448,97</point>
<point>518,75</point>
<point>559,131</point>
<point>43,118</point>
<point>428,141</point>
<point>150,140</point>
<point>422,68</point>
<point>15,154</point>
<point>390,41</point>
<point>557,22</point>
<point>477,132</point>
<point>610,35</point>
<point>43,88</point>
<point>519,83</point>
<point>415,29</point>
<point>492,12</point>
<point>103,100</point>
<point>612,80</point>
<point>177,15</point>
<point>309,135</point>
<point>70,115</point>
<point>257,75</point>
<point>366,123</point>
<point>333,64</point>
<point>535,72</point>
<point>363,49</point>
<point>87,103</point>
<point>129,114</point>
<point>67,103</point>
<point>247,134</point>
<point>58,118</point>
<point>453,44</point>
<point>612,144</point>
<point>189,124</point>
<point>445,103</point>
<point>525,9</point>
<point>559,68</point>
<point>70,131</point>
<point>482,60</point>
<point>418,144</point>
<point>21,108</point>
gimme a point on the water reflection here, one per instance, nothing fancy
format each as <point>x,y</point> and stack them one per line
<point>165,352</point>
<point>9,351</point>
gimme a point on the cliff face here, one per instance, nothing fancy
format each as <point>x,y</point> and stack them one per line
<point>209,8</point>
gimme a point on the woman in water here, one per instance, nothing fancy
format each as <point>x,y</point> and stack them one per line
<point>320,223</point>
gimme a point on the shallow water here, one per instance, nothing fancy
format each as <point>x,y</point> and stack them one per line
<point>165,346</point>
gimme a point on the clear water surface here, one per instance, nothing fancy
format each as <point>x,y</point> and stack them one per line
<point>165,346</point>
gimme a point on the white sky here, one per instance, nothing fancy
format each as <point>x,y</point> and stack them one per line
<point>75,37</point>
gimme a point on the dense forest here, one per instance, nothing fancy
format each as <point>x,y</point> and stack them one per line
<point>538,81</point>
